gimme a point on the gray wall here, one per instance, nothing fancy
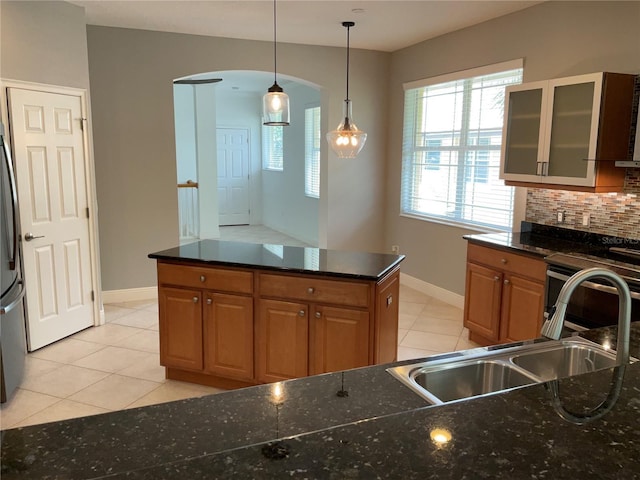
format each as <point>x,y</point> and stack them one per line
<point>285,207</point>
<point>44,42</point>
<point>131,75</point>
<point>555,39</point>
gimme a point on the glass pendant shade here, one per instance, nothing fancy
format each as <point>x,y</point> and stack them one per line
<point>346,141</point>
<point>275,106</point>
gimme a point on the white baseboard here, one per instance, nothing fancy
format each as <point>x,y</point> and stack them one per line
<point>432,290</point>
<point>130,295</point>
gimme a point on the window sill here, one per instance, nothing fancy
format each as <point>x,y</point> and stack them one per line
<point>454,223</point>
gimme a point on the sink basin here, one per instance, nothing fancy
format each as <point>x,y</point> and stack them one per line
<point>497,369</point>
<point>564,360</point>
<point>449,383</point>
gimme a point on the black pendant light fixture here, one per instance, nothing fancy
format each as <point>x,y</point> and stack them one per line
<point>347,141</point>
<point>275,103</point>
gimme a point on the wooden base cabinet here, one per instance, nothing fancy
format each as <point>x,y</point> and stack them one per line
<point>504,295</point>
<point>232,327</point>
<point>283,346</point>
<point>228,335</point>
<point>180,325</point>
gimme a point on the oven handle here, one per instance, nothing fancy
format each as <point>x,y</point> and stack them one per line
<point>591,285</point>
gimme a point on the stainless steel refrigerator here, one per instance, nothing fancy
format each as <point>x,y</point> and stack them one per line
<point>12,306</point>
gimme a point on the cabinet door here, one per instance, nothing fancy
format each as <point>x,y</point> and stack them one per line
<point>338,339</point>
<point>574,106</point>
<point>524,131</point>
<point>180,316</point>
<point>385,348</point>
<point>283,340</point>
<point>482,301</point>
<point>522,309</point>
<point>228,335</point>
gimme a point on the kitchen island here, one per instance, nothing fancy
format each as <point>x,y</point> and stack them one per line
<point>235,314</point>
<point>380,429</point>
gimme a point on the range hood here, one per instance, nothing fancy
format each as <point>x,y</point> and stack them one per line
<point>635,162</point>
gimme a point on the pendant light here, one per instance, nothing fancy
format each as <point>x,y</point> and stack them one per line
<point>275,103</point>
<point>347,141</point>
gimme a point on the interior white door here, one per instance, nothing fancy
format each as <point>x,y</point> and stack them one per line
<point>233,176</point>
<point>52,193</point>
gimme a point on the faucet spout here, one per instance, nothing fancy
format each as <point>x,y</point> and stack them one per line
<point>552,327</point>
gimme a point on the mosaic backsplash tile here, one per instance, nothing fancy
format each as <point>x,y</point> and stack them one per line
<point>615,214</point>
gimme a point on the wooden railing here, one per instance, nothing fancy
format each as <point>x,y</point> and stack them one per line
<point>188,209</point>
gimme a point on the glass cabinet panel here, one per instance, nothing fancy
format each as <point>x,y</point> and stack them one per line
<point>571,130</point>
<point>523,131</point>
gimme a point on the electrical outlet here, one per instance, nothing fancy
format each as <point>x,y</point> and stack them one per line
<point>586,219</point>
<point>560,216</point>
<point>395,249</point>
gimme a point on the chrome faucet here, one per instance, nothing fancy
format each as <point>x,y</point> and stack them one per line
<point>552,327</point>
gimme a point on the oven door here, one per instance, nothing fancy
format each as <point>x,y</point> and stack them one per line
<point>592,305</point>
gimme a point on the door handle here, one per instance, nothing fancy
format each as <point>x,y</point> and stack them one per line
<point>30,236</point>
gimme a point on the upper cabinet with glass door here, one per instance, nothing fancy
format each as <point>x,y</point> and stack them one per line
<point>567,133</point>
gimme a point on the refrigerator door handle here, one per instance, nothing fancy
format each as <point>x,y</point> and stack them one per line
<point>14,203</point>
<point>14,302</point>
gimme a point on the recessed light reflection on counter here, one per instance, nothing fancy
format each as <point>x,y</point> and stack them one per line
<point>440,436</point>
<point>277,393</point>
<point>606,344</point>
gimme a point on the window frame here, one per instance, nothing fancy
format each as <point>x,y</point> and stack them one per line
<point>269,144</point>
<point>311,180</point>
<point>408,154</point>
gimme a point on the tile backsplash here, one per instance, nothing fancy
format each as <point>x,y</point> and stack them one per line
<point>615,214</point>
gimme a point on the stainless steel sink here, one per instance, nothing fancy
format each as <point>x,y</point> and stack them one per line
<point>564,360</point>
<point>448,383</point>
<point>483,372</point>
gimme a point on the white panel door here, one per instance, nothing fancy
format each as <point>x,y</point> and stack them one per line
<point>52,193</point>
<point>233,176</point>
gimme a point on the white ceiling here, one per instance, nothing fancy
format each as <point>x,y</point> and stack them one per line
<point>380,25</point>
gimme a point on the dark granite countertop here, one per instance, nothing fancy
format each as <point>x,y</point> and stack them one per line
<point>543,240</point>
<point>308,260</point>
<point>380,430</point>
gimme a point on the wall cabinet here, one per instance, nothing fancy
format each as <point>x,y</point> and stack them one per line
<point>567,132</point>
<point>235,327</point>
<point>504,295</point>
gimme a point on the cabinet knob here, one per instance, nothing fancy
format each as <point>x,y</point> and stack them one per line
<point>202,278</point>
<point>301,313</point>
<point>209,301</point>
<point>504,261</point>
<point>506,282</point>
<point>310,290</point>
<point>496,278</point>
<point>318,315</point>
<point>195,299</point>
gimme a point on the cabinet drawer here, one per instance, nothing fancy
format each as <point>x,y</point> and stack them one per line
<point>221,279</point>
<point>507,262</point>
<point>315,290</point>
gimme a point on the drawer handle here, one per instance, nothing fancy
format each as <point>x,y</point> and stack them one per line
<point>496,278</point>
<point>301,313</point>
<point>318,315</point>
<point>310,290</point>
<point>209,301</point>
<point>504,261</point>
<point>195,299</point>
<point>203,278</point>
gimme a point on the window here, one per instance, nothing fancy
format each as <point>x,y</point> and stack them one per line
<point>312,152</point>
<point>451,147</point>
<point>272,148</point>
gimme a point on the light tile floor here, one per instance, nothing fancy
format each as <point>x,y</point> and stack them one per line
<point>117,365</point>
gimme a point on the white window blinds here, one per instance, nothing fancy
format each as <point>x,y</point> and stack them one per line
<point>451,148</point>
<point>272,147</point>
<point>312,151</point>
